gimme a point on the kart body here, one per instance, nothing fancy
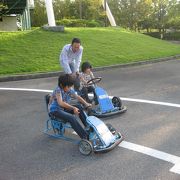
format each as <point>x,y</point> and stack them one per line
<point>105,106</point>
<point>101,136</point>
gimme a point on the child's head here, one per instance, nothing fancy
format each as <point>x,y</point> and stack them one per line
<point>65,81</point>
<point>86,67</point>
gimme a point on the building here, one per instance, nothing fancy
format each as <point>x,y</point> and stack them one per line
<point>15,14</point>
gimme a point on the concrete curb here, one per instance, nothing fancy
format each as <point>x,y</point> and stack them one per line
<point>57,73</point>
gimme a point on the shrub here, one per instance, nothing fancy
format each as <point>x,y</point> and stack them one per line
<point>167,36</point>
<point>154,34</point>
<point>79,23</point>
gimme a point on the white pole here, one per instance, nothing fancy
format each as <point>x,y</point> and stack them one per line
<point>109,14</point>
<point>50,13</point>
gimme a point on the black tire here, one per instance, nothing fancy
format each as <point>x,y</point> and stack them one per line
<point>117,102</point>
<point>120,136</point>
<point>47,99</point>
<point>85,147</point>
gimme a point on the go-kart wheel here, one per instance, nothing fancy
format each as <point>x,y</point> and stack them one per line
<point>111,128</point>
<point>85,147</point>
<point>119,136</point>
<point>117,102</point>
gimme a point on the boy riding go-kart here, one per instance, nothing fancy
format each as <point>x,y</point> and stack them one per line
<point>104,106</point>
<point>95,135</point>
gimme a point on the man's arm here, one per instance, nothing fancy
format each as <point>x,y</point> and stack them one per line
<point>78,61</point>
<point>64,61</point>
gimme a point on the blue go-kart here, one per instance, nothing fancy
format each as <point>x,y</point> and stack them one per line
<point>106,106</point>
<point>102,137</point>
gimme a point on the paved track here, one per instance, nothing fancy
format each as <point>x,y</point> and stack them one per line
<point>26,153</point>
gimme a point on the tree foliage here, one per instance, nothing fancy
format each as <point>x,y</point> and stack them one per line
<point>146,14</point>
<point>38,15</point>
<point>69,9</point>
<point>132,14</point>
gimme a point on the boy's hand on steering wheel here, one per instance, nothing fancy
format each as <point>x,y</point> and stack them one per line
<point>76,110</point>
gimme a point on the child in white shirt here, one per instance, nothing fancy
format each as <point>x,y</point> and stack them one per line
<point>85,76</point>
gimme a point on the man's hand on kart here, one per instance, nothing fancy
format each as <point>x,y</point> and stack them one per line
<point>88,105</point>
<point>75,74</point>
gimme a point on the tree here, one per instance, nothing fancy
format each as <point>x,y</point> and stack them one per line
<point>125,12</point>
<point>78,9</point>
<point>132,14</point>
<point>174,8</point>
<point>64,9</point>
<point>160,8</point>
<point>144,9</point>
<point>89,9</point>
<point>174,23</point>
<point>174,15</point>
<point>38,15</point>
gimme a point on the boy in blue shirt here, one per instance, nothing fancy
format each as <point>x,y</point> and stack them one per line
<point>60,107</point>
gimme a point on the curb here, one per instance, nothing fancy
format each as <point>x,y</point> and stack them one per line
<point>57,73</point>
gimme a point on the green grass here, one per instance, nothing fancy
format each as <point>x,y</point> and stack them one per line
<point>38,51</point>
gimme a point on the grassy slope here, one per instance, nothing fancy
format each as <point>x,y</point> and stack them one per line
<point>38,50</point>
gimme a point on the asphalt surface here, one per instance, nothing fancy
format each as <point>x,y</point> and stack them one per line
<point>27,153</point>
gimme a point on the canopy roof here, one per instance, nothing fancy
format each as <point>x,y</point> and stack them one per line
<point>8,7</point>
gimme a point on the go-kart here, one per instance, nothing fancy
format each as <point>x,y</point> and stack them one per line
<point>102,137</point>
<point>106,106</point>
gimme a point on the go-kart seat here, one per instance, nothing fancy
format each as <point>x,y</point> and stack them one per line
<point>47,99</point>
<point>57,123</point>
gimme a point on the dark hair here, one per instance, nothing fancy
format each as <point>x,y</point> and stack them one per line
<point>85,65</point>
<point>65,80</point>
<point>76,40</point>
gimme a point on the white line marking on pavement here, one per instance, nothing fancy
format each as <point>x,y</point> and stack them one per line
<point>25,89</point>
<point>151,102</point>
<point>131,146</point>
<point>154,153</point>
<point>176,168</point>
<point>122,98</point>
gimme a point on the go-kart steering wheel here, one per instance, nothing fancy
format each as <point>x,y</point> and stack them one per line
<point>94,80</point>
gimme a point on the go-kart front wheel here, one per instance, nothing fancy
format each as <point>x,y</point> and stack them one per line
<point>85,147</point>
<point>117,102</point>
